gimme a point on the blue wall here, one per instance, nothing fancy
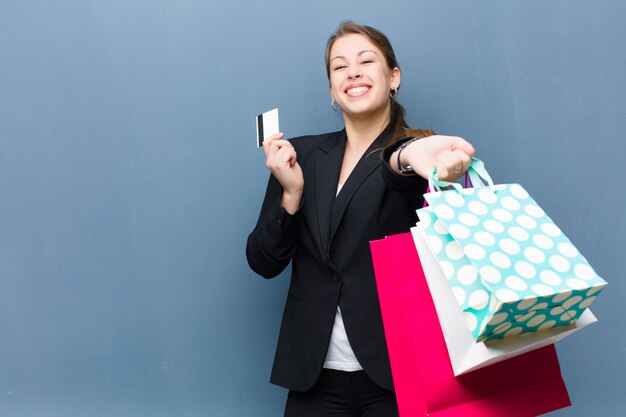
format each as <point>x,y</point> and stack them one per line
<point>129,180</point>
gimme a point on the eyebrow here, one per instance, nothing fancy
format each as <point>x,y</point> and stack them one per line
<point>359,54</point>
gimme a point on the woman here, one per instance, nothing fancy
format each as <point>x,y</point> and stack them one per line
<point>328,196</point>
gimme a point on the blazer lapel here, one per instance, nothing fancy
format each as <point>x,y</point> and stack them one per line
<point>366,165</point>
<point>327,169</point>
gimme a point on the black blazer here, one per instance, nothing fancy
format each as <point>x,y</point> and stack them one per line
<point>327,242</point>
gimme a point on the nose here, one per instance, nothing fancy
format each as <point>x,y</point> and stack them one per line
<point>354,73</point>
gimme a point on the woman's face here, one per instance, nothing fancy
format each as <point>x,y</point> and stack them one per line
<point>360,80</point>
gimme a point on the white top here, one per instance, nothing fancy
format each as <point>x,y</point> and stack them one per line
<point>340,355</point>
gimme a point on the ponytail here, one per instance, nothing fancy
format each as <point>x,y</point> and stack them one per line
<point>401,129</point>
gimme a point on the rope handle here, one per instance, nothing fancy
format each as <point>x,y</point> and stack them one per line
<point>477,174</point>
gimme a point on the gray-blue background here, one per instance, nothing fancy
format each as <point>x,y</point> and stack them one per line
<point>129,180</point>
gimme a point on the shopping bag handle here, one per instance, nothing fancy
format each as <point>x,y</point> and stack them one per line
<point>477,174</point>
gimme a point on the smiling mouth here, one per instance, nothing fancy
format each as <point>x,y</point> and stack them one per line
<point>357,91</point>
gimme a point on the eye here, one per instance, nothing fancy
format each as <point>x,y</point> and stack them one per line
<point>339,67</point>
<point>367,61</point>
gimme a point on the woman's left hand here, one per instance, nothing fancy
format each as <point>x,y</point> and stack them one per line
<point>451,155</point>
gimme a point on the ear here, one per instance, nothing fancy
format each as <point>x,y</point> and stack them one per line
<point>396,78</point>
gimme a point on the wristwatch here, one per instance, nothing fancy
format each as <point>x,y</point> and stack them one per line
<point>405,169</point>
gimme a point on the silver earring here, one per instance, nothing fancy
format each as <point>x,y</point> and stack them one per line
<point>334,105</point>
<point>394,93</point>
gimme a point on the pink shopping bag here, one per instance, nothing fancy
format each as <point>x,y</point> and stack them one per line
<point>524,386</point>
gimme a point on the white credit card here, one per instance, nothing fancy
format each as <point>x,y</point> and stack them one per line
<point>266,126</point>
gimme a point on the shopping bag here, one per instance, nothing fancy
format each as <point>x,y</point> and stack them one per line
<point>425,385</point>
<point>465,353</point>
<point>512,270</point>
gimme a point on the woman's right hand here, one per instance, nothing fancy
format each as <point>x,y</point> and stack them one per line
<point>450,155</point>
<point>280,159</point>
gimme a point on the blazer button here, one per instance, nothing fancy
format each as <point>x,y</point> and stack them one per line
<point>336,277</point>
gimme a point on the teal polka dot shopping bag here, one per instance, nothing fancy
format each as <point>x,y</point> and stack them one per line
<point>510,267</point>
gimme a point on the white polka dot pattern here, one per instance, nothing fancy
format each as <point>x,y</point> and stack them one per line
<point>444,212</point>
<point>550,278</point>
<point>500,260</point>
<point>547,325</point>
<point>459,230</point>
<point>562,296</point>
<point>469,219</point>
<point>584,271</point>
<point>477,208</point>
<point>543,241</point>
<point>459,294</point>
<point>525,270</point>
<point>502,215</point>
<point>493,226</point>
<point>534,255</point>
<point>509,246</point>
<point>498,318</point>
<point>527,303</point>
<point>539,307</point>
<point>467,274</point>
<point>474,251</point>
<point>526,222</point>
<point>511,269</point>
<point>447,268</point>
<point>490,275</point>
<point>486,196</point>
<point>454,199</point>
<point>440,227</point>
<point>515,331</point>
<point>518,191</point>
<point>516,283</point>
<point>454,251</point>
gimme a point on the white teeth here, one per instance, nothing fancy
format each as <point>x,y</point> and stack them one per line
<point>357,90</point>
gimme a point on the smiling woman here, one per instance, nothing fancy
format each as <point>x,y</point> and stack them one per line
<point>328,196</point>
<point>359,59</point>
<point>360,80</point>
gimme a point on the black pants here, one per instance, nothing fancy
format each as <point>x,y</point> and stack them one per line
<point>347,394</point>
